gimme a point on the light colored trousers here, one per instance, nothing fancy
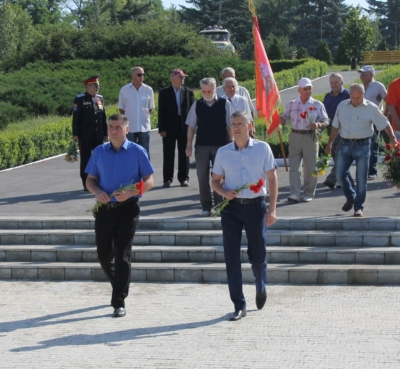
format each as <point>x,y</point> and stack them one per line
<point>302,148</point>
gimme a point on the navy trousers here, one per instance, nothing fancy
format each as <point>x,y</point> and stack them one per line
<point>251,217</point>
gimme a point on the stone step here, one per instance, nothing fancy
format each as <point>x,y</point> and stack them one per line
<point>209,273</point>
<point>203,237</point>
<point>342,223</point>
<point>213,254</point>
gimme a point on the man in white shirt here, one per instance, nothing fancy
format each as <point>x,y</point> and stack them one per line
<point>242,91</point>
<point>376,93</point>
<point>303,142</point>
<point>239,103</point>
<point>136,102</point>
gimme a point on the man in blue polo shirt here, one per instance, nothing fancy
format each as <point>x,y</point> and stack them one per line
<point>331,101</point>
<point>113,165</point>
<point>241,162</point>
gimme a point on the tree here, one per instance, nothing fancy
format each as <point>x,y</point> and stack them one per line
<point>383,45</point>
<point>358,35</point>
<point>274,51</point>
<point>302,53</point>
<point>310,16</point>
<point>341,57</point>
<point>323,53</point>
<point>41,11</point>
<point>16,33</point>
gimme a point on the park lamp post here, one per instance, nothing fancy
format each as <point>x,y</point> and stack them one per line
<point>395,32</point>
<point>320,17</point>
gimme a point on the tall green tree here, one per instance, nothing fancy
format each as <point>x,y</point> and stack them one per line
<point>315,20</point>
<point>275,51</point>
<point>358,35</point>
<point>41,11</point>
<point>16,33</point>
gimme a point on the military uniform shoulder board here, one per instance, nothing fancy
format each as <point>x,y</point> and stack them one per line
<point>80,95</point>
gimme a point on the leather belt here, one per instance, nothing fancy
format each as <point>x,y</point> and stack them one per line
<point>356,139</point>
<point>248,201</point>
<point>114,205</point>
<point>301,132</point>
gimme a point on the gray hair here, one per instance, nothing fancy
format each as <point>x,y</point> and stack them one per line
<point>357,86</point>
<point>134,69</point>
<point>208,81</point>
<point>336,75</point>
<point>229,79</point>
<point>241,114</point>
<point>228,69</point>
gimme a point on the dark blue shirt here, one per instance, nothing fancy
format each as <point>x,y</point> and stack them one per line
<point>115,169</point>
<point>331,102</point>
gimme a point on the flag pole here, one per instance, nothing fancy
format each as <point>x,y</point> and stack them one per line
<point>283,150</point>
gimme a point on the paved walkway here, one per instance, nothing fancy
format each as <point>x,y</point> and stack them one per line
<point>69,325</point>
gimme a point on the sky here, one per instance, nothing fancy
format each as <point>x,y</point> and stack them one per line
<point>167,3</point>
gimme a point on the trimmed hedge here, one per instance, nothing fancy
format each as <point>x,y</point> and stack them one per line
<point>288,78</point>
<point>46,88</point>
<point>17,148</point>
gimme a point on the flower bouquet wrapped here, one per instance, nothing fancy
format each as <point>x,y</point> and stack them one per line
<point>138,186</point>
<point>390,165</point>
<point>255,187</point>
<point>321,165</point>
<point>72,153</point>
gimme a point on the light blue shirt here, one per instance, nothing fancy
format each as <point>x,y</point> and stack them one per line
<point>245,166</point>
<point>178,99</point>
<point>129,165</point>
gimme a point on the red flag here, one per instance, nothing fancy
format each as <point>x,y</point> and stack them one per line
<point>267,94</point>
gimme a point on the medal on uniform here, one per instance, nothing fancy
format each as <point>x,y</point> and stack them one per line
<point>99,104</point>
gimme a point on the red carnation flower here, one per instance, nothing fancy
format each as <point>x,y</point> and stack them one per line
<point>261,182</point>
<point>140,187</point>
<point>388,157</point>
<point>398,154</point>
<point>388,146</point>
<point>253,187</point>
<point>312,108</point>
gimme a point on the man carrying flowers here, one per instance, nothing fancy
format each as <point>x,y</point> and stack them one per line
<point>307,116</point>
<point>115,173</point>
<point>243,165</point>
<point>354,120</point>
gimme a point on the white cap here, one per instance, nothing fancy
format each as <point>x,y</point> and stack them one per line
<point>304,82</point>
<point>367,68</point>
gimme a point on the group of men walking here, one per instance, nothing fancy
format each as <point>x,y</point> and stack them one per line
<point>119,172</point>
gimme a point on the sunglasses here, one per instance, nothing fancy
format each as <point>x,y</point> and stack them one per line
<point>94,84</point>
<point>140,74</point>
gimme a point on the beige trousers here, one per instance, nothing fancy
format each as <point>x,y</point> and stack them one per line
<point>302,148</point>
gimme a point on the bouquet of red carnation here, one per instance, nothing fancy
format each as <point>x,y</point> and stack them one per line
<point>255,187</point>
<point>316,135</point>
<point>390,165</point>
<point>137,186</point>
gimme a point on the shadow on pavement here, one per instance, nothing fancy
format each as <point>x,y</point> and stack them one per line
<point>56,197</point>
<point>46,320</point>
<point>112,338</point>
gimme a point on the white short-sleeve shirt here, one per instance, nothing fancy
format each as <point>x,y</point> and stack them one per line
<point>137,105</point>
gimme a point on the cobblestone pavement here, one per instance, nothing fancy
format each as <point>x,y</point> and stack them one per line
<point>69,325</point>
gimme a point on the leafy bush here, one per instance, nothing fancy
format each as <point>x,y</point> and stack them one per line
<point>17,148</point>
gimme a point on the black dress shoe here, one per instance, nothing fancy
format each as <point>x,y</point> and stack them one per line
<point>330,185</point>
<point>237,315</point>
<point>348,205</point>
<point>167,184</point>
<point>185,184</point>
<point>119,312</point>
<point>261,299</point>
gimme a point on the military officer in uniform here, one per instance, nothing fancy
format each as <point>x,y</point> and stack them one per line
<point>89,124</point>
